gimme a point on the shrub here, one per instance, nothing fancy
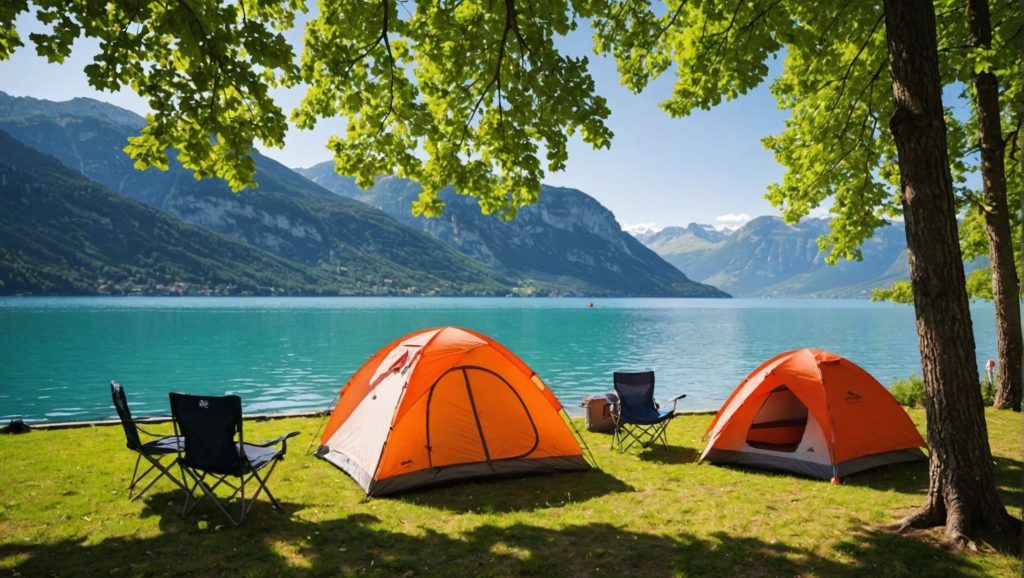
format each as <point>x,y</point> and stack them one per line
<point>988,391</point>
<point>909,391</point>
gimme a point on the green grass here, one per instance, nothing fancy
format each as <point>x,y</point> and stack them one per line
<point>64,511</point>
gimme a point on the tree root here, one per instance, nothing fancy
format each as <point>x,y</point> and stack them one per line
<point>958,541</point>
<point>955,535</point>
<point>924,517</point>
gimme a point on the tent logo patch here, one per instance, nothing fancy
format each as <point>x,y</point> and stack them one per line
<point>853,397</point>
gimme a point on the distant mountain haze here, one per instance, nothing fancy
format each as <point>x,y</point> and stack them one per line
<point>675,240</point>
<point>568,245</point>
<point>567,239</point>
<point>768,258</point>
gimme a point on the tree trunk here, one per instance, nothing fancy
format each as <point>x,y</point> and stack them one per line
<point>1001,245</point>
<point>1020,157</point>
<point>962,492</point>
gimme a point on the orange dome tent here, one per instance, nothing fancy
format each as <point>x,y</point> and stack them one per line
<point>814,413</point>
<point>445,404</point>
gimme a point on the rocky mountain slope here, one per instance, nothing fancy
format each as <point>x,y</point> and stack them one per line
<point>567,241</point>
<point>286,215</point>
<point>570,245</point>
<point>63,234</point>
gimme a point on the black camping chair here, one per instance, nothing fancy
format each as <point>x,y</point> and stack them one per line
<point>153,452</point>
<point>209,426</point>
<point>636,416</point>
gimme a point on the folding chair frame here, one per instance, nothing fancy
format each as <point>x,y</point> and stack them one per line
<point>154,464</point>
<point>627,434</point>
<point>210,491</point>
<point>132,430</point>
<point>199,476</point>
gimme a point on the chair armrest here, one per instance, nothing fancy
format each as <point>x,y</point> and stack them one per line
<point>283,440</point>
<point>149,433</point>
<point>676,399</point>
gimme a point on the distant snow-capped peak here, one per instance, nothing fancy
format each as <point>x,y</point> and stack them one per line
<point>642,228</point>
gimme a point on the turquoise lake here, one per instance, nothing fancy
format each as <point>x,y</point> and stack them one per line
<point>57,355</point>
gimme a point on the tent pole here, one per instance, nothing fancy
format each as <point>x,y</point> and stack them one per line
<point>593,461</point>
<point>327,413</point>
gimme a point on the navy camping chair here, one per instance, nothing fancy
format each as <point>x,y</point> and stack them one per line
<point>209,426</point>
<point>153,451</point>
<point>636,416</point>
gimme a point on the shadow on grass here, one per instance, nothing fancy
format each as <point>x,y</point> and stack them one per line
<point>912,478</point>
<point>528,493</point>
<point>1009,473</point>
<point>272,545</point>
<point>905,478</point>
<point>671,455</point>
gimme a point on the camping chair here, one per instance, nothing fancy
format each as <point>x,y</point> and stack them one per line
<point>636,416</point>
<point>153,451</point>
<point>209,426</point>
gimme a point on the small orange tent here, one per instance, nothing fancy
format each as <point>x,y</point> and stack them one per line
<point>815,413</point>
<point>445,404</point>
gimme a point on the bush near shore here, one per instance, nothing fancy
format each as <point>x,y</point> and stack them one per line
<point>910,391</point>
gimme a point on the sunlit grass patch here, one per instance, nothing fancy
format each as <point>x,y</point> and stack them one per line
<point>64,511</point>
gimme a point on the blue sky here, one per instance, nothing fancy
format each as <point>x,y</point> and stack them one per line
<point>659,170</point>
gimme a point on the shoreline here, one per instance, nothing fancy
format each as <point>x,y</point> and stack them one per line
<point>249,417</point>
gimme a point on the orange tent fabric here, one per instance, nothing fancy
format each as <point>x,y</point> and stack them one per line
<point>815,413</point>
<point>444,404</point>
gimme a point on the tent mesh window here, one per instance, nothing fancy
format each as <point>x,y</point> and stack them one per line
<point>780,423</point>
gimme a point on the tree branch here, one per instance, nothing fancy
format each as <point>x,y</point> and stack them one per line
<point>391,66</point>
<point>495,78</point>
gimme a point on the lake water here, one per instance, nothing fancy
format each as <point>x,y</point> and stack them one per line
<point>57,355</point>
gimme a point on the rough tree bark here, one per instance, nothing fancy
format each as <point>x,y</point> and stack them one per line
<point>962,492</point>
<point>1001,245</point>
<point>1020,157</point>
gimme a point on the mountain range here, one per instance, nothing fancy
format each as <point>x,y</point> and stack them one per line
<point>769,258</point>
<point>61,233</point>
<point>316,240</point>
<point>566,240</point>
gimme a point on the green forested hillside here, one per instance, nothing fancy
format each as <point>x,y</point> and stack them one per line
<point>63,234</point>
<point>287,215</point>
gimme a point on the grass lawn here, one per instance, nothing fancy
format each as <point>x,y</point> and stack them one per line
<point>64,511</point>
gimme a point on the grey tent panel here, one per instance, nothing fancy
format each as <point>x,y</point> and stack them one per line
<point>437,476</point>
<point>823,471</point>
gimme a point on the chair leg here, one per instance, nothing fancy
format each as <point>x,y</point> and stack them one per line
<point>208,493</point>
<point>263,487</point>
<point>154,464</point>
<point>149,485</point>
<point>241,517</point>
<point>190,493</point>
<point>135,473</point>
<point>137,479</point>
<point>245,504</point>
<point>646,435</point>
